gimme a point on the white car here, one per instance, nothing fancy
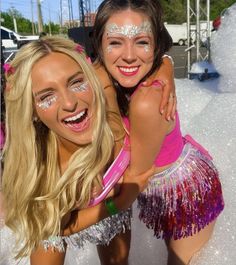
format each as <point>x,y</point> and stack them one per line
<point>12,40</point>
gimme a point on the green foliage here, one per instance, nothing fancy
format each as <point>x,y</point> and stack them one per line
<point>55,28</point>
<point>217,6</point>
<point>175,10</point>
<point>8,21</point>
<point>23,24</point>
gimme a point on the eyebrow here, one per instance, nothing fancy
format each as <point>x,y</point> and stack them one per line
<point>50,88</point>
<point>115,37</point>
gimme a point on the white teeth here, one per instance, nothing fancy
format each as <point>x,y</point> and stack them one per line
<point>75,117</point>
<point>128,70</point>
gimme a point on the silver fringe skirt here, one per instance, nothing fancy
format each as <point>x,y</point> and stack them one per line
<point>99,234</point>
<point>183,199</point>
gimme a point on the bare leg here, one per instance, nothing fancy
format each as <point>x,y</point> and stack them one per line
<point>49,257</point>
<point>181,251</point>
<point>117,252</point>
<point>173,258</point>
<point>1,210</point>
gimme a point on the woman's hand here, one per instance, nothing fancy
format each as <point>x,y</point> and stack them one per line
<point>131,187</point>
<point>166,74</point>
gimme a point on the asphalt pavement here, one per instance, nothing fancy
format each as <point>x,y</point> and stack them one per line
<point>180,56</point>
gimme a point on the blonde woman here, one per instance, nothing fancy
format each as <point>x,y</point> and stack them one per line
<point>58,145</point>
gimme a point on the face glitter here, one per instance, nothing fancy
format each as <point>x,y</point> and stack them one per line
<point>81,88</point>
<point>147,48</point>
<point>129,30</point>
<point>109,49</point>
<point>47,103</point>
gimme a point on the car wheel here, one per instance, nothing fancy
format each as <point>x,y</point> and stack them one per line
<point>181,42</point>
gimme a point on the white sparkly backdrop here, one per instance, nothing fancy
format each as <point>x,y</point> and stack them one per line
<point>208,112</point>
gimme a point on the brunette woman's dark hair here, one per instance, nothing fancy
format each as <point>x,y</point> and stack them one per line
<point>163,41</point>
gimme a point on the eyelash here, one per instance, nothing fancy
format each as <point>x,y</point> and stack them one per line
<point>46,101</point>
<point>143,42</point>
<point>80,88</point>
<point>114,43</point>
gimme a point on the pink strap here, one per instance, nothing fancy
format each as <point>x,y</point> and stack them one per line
<point>189,139</point>
<point>114,173</point>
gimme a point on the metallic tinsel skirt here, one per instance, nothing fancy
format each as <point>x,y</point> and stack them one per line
<point>183,199</point>
<point>99,234</point>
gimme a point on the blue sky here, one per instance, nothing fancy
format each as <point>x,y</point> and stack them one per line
<point>50,8</point>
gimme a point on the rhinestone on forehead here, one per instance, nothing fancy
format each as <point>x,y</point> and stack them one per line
<point>129,30</point>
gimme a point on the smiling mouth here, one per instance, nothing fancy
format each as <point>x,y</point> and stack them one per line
<point>128,71</point>
<point>78,122</point>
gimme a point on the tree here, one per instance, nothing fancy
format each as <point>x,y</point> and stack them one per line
<point>8,21</point>
<point>175,10</point>
<point>23,24</point>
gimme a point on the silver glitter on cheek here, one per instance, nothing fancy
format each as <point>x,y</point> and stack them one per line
<point>109,49</point>
<point>83,87</point>
<point>147,48</point>
<point>47,103</point>
<point>129,30</point>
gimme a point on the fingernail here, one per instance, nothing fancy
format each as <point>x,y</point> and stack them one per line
<point>156,83</point>
<point>162,111</point>
<point>168,118</point>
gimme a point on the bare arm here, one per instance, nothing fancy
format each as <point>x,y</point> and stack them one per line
<point>130,188</point>
<point>166,74</point>
<point>147,128</point>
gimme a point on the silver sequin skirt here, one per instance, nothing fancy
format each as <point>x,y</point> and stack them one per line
<point>99,234</point>
<point>183,199</point>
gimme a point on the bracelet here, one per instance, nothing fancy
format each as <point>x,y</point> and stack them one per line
<point>111,207</point>
<point>168,56</point>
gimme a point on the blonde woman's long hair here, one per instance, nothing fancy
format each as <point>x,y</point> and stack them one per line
<point>36,195</point>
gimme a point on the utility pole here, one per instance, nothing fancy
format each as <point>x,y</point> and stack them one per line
<point>65,13</point>
<point>14,19</point>
<point>85,13</point>
<point>40,18</point>
<point>15,24</point>
<point>71,17</point>
<point>198,30</point>
<point>49,23</point>
<point>32,17</point>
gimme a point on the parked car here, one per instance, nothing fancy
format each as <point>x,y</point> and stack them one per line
<point>11,39</point>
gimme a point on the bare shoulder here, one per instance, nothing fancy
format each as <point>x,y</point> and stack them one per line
<point>146,100</point>
<point>102,75</point>
<point>144,110</point>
